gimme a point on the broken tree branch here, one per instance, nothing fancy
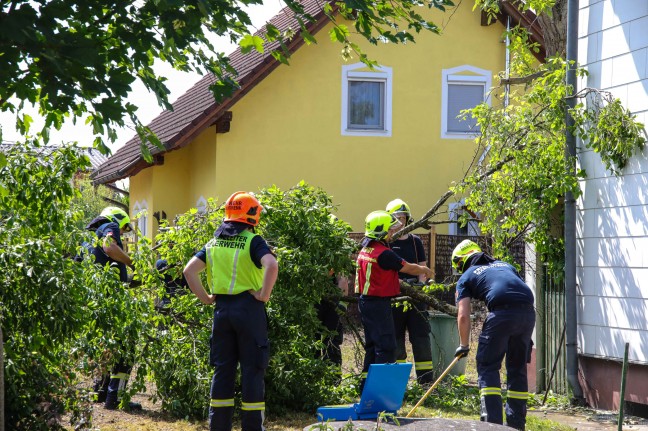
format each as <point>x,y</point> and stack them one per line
<point>519,80</point>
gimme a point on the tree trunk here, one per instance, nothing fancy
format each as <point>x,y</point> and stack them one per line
<point>554,29</point>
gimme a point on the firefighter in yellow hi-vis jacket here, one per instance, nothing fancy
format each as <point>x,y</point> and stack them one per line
<point>241,272</point>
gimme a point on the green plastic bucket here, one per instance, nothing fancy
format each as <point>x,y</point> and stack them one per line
<point>444,336</point>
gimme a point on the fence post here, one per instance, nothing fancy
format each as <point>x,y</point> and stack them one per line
<point>624,373</point>
<point>541,340</point>
<point>432,252</point>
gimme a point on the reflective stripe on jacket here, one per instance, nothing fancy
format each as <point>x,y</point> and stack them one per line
<point>371,279</point>
<point>230,269</point>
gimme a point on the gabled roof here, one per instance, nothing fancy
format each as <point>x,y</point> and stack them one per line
<point>96,158</point>
<point>197,110</point>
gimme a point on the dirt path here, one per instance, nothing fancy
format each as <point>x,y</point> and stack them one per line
<point>593,421</point>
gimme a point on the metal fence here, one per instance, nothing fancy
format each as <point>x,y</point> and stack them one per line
<point>550,328</point>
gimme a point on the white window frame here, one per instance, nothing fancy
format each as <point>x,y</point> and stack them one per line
<point>142,220</point>
<point>462,75</point>
<point>201,205</point>
<point>379,74</point>
<point>455,209</point>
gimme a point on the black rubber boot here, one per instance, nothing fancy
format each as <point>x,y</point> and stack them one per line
<point>100,388</point>
<point>112,397</point>
<point>133,406</point>
<point>112,404</point>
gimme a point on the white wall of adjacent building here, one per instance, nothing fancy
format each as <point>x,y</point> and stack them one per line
<point>612,223</point>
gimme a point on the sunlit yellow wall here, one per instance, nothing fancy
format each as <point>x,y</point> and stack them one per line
<point>288,127</point>
<point>164,187</point>
<point>176,185</point>
<point>203,161</point>
<point>171,184</point>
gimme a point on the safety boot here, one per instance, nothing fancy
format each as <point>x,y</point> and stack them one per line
<point>117,383</point>
<point>100,388</point>
<point>112,402</point>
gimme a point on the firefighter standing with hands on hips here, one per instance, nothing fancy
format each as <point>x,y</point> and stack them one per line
<point>241,273</point>
<point>377,283</point>
<point>415,318</point>
<point>507,330</point>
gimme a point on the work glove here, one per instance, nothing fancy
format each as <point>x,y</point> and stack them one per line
<point>462,351</point>
<point>414,282</point>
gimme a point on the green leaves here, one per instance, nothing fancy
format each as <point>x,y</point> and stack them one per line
<point>43,292</point>
<point>297,224</point>
<point>249,42</point>
<point>609,129</point>
<point>339,33</point>
<point>519,183</point>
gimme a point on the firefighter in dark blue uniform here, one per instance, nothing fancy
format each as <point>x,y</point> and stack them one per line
<point>109,227</point>
<point>507,330</point>
<point>241,272</point>
<point>377,283</point>
<point>329,313</point>
<point>414,320</point>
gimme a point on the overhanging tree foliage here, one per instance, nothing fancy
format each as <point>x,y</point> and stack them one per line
<point>80,59</point>
<point>58,316</point>
<point>519,175</point>
<point>87,314</point>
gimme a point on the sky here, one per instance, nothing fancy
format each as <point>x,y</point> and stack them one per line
<point>178,83</point>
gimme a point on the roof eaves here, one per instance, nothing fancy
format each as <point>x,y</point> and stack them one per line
<point>526,19</point>
<point>210,115</point>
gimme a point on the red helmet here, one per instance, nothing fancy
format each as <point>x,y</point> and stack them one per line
<point>243,207</point>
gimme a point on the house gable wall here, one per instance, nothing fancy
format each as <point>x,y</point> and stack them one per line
<point>202,175</point>
<point>288,128</point>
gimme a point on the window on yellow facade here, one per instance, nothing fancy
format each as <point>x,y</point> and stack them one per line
<point>463,87</point>
<point>140,212</point>
<point>201,205</point>
<point>366,101</point>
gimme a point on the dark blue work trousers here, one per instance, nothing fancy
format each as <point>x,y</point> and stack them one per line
<point>505,332</point>
<point>378,324</point>
<point>239,335</point>
<point>416,321</point>
<point>328,313</point>
<point>118,378</point>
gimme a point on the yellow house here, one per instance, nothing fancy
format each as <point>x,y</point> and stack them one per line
<point>364,136</point>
